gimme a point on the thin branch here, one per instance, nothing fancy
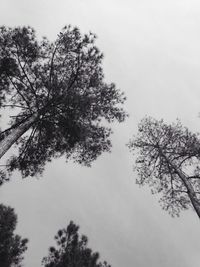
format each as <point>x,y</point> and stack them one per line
<point>18,116</point>
<point>188,157</point>
<point>17,106</point>
<point>75,74</point>
<point>22,96</point>
<point>51,70</point>
<point>194,177</point>
<point>171,180</point>
<point>180,191</point>
<point>21,81</point>
<point>39,136</point>
<point>31,86</point>
<point>22,68</point>
<point>51,65</point>
<point>27,143</point>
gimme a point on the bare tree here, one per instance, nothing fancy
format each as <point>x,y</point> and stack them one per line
<point>167,159</point>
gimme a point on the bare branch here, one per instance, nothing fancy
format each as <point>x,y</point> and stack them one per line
<point>23,153</point>
<point>23,70</point>
<point>17,106</point>
<point>22,96</point>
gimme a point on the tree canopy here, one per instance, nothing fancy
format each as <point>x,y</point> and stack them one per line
<point>72,250</point>
<point>12,246</point>
<point>167,159</point>
<point>62,105</point>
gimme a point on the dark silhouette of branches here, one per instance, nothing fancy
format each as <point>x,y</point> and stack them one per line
<point>167,158</point>
<point>58,92</point>
<point>72,251</point>
<point>12,246</point>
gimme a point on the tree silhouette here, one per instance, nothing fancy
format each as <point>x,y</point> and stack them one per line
<point>167,158</point>
<point>62,106</point>
<point>72,250</point>
<point>12,246</point>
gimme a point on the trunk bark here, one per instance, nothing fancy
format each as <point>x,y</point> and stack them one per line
<point>191,193</point>
<point>15,134</point>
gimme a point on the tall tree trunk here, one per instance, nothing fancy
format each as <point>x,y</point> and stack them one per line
<point>191,193</point>
<point>190,190</point>
<point>15,133</point>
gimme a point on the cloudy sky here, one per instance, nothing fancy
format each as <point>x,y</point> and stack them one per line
<point>152,52</point>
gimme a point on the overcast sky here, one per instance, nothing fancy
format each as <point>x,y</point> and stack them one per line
<point>152,52</point>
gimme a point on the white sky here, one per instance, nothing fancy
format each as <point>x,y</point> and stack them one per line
<point>152,52</point>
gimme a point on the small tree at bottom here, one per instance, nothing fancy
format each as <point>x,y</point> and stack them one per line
<point>72,250</point>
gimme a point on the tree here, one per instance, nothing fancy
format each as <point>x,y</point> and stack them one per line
<point>12,246</point>
<point>60,100</point>
<point>72,250</point>
<point>167,158</point>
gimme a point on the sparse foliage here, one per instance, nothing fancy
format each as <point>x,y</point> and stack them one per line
<point>167,159</point>
<point>72,250</point>
<point>12,246</point>
<point>59,96</point>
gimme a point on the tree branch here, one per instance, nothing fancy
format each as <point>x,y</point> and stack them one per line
<point>17,106</point>
<point>194,177</point>
<point>22,96</point>
<point>51,70</point>
<point>23,70</point>
<point>27,143</point>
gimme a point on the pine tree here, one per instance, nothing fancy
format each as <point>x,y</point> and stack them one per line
<point>167,159</point>
<point>62,105</point>
<point>72,250</point>
<point>12,246</point>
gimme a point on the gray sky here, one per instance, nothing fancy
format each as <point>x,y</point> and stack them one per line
<point>152,52</point>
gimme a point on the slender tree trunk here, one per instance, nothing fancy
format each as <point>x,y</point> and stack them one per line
<point>190,190</point>
<point>15,133</point>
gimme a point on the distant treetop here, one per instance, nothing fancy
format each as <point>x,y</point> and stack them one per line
<point>72,250</point>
